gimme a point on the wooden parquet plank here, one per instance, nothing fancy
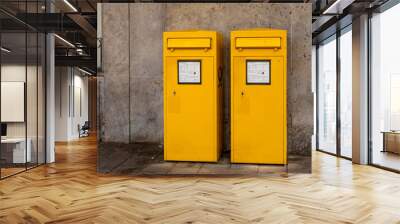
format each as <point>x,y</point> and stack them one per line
<point>70,191</point>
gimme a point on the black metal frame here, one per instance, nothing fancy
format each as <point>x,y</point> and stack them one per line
<point>369,98</point>
<point>338,97</point>
<point>0,91</point>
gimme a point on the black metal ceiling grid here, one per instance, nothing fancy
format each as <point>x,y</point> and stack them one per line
<point>77,27</point>
<point>78,24</point>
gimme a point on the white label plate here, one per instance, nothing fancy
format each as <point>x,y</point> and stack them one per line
<point>258,72</point>
<point>189,72</point>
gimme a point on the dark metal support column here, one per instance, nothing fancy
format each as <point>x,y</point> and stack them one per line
<point>338,76</point>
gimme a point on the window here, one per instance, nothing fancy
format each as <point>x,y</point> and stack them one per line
<point>327,96</point>
<point>346,93</point>
<point>385,89</point>
<point>334,73</point>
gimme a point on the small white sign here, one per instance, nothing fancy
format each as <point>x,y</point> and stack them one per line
<point>258,72</point>
<point>189,72</point>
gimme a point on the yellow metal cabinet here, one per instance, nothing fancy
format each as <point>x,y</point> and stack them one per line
<point>192,96</point>
<point>258,96</point>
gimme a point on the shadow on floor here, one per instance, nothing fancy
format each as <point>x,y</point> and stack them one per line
<point>386,159</point>
<point>148,159</point>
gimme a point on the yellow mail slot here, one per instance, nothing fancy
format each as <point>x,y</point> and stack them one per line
<point>189,43</point>
<point>258,42</point>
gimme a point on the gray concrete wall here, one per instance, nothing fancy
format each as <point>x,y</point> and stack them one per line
<point>147,26</point>
<point>133,55</point>
<point>115,85</point>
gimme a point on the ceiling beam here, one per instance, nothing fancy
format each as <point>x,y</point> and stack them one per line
<point>84,24</point>
<point>84,61</point>
<point>337,7</point>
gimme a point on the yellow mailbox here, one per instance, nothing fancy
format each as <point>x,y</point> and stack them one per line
<point>192,95</point>
<point>258,96</point>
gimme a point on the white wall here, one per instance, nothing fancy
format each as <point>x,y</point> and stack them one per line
<point>70,84</point>
<point>79,103</point>
<point>62,82</point>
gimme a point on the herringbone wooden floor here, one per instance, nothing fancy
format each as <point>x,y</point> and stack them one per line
<point>71,191</point>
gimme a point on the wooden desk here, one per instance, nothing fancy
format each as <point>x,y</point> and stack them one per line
<point>16,147</point>
<point>391,141</point>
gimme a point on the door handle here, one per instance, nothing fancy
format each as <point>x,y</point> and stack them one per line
<point>174,92</point>
<point>242,93</point>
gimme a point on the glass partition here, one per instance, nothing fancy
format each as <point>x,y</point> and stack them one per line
<point>14,153</point>
<point>22,101</point>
